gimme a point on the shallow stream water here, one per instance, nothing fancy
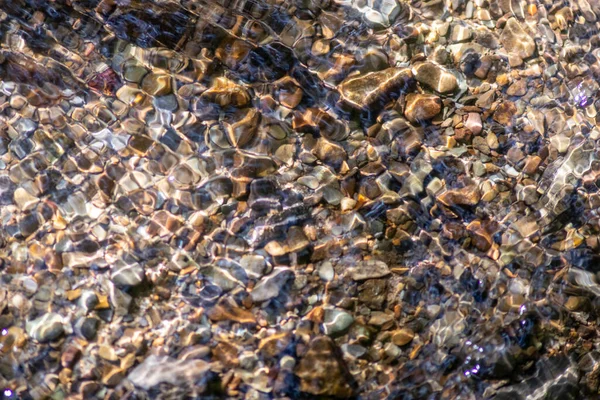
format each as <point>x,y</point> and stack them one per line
<point>299,199</point>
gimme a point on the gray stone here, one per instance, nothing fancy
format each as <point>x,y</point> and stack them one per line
<point>326,271</point>
<point>336,321</point>
<point>253,265</point>
<point>270,286</point>
<point>156,370</point>
<point>369,269</point>
<point>46,328</point>
<point>127,274</point>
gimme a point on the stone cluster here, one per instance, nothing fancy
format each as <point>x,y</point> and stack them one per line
<point>252,199</point>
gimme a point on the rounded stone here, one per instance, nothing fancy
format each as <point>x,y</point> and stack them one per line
<point>516,40</point>
<point>422,107</point>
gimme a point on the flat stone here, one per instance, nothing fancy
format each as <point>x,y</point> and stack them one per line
<point>364,90</point>
<point>229,311</point>
<point>323,371</point>
<point>253,265</point>
<point>127,274</point>
<point>436,78</point>
<point>402,337</point>
<point>517,88</point>
<point>369,269</point>
<point>505,112</point>
<point>373,293</point>
<point>422,107</point>
<point>379,318</point>
<point>516,40</point>
<point>270,286</point>
<point>46,328</point>
<point>473,123</point>
<point>467,196</point>
<point>336,321</point>
<point>162,369</point>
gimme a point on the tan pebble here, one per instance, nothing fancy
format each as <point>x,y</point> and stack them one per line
<point>502,79</point>
<point>102,302</point>
<point>532,164</point>
<point>107,353</point>
<point>23,199</point>
<point>113,377</point>
<point>402,337</point>
<point>64,376</point>
<point>73,294</point>
<point>422,107</point>
<point>492,140</point>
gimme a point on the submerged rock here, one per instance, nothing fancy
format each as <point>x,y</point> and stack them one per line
<point>365,90</point>
<point>436,78</point>
<point>516,40</point>
<point>162,369</point>
<point>323,372</point>
<point>422,107</point>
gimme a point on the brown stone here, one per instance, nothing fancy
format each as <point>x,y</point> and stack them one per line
<point>364,90</point>
<point>70,355</point>
<point>505,112</point>
<point>403,337</point>
<point>224,311</point>
<point>273,345</point>
<point>480,237</point>
<point>225,92</point>
<point>518,88</point>
<point>422,107</point>
<point>113,377</point>
<point>467,196</point>
<point>531,165</point>
<point>516,41</point>
<point>227,354</point>
<point>323,372</point>
<point>330,153</point>
<point>435,77</point>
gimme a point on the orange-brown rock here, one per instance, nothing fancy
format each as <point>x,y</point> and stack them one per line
<point>323,372</point>
<point>466,196</point>
<point>422,107</point>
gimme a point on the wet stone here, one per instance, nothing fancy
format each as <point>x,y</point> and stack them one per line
<point>365,90</point>
<point>516,40</point>
<point>127,274</point>
<point>436,78</point>
<point>156,370</point>
<point>373,293</point>
<point>87,327</point>
<point>271,285</point>
<point>46,328</point>
<point>299,199</point>
<point>505,112</point>
<point>422,107</point>
<point>336,321</point>
<point>402,337</point>
<point>323,372</point>
<point>7,190</point>
<point>369,269</point>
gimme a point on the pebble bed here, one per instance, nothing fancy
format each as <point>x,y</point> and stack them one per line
<point>299,199</point>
